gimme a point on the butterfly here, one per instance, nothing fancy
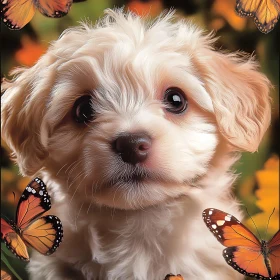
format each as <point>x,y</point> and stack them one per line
<point>17,13</point>
<point>42,233</point>
<point>245,252</point>
<point>265,12</point>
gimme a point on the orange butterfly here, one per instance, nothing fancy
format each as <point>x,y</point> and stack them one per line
<point>43,234</point>
<point>17,13</point>
<point>265,12</point>
<point>245,252</point>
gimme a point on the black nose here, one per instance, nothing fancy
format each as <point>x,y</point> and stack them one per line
<point>133,148</point>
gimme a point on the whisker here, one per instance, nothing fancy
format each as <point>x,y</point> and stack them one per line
<point>61,169</point>
<point>73,181</point>
<point>77,188</point>
<point>78,216</point>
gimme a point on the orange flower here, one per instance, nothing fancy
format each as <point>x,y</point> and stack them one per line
<point>30,51</point>
<point>5,275</point>
<point>153,7</point>
<point>226,9</point>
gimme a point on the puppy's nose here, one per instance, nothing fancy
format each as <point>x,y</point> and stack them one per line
<point>133,148</point>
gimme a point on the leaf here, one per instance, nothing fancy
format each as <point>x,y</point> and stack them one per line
<point>6,262</point>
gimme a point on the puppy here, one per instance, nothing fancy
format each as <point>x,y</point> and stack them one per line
<point>134,127</point>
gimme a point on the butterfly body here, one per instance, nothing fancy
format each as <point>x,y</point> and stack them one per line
<point>245,252</point>
<point>43,233</point>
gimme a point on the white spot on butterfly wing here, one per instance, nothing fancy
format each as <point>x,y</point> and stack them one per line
<point>210,212</point>
<point>214,226</point>
<point>220,222</point>
<point>228,218</point>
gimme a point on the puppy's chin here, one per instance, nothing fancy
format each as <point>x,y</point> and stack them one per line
<point>137,193</point>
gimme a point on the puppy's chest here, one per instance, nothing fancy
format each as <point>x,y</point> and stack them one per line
<point>135,246</point>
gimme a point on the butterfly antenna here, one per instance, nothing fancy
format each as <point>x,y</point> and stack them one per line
<point>4,216</point>
<point>14,196</point>
<point>253,223</point>
<point>268,223</point>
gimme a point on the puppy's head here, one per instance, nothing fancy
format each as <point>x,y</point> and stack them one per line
<point>128,114</point>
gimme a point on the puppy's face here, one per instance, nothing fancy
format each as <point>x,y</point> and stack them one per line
<point>133,130</point>
<point>123,113</point>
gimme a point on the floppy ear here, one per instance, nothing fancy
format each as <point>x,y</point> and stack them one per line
<point>240,96</point>
<point>22,111</point>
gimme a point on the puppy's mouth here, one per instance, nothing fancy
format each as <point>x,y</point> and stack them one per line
<point>133,179</point>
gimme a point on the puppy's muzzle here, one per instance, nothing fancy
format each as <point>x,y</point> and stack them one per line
<point>133,148</point>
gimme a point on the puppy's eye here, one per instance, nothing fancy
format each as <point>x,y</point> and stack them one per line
<point>176,100</point>
<point>82,110</point>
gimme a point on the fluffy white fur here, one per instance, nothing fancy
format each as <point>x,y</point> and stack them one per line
<point>134,230</point>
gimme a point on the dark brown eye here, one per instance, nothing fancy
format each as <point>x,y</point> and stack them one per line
<point>175,100</point>
<point>82,110</point>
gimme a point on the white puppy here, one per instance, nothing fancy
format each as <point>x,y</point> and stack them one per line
<point>134,128</point>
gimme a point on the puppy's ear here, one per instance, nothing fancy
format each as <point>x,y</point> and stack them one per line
<point>240,96</point>
<point>22,110</point>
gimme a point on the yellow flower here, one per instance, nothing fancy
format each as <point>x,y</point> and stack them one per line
<point>267,196</point>
<point>268,181</point>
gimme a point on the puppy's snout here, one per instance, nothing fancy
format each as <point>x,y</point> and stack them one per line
<point>133,148</point>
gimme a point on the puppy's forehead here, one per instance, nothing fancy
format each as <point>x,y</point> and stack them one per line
<point>125,59</point>
<point>129,58</point>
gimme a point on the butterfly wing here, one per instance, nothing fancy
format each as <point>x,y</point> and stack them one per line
<point>247,8</point>
<point>54,8</point>
<point>274,254</point>
<point>33,202</point>
<point>44,234</point>
<point>245,252</point>
<point>17,13</point>
<point>265,13</point>
<point>228,230</point>
<point>13,241</point>
<point>247,261</point>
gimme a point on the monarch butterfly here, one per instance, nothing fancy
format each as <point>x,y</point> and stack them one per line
<point>42,233</point>
<point>265,13</point>
<point>17,13</point>
<point>245,252</point>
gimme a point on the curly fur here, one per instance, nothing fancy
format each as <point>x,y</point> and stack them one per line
<point>135,231</point>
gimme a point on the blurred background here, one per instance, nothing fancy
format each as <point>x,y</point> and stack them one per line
<point>258,185</point>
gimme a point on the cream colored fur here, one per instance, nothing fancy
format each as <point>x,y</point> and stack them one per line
<point>135,231</point>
